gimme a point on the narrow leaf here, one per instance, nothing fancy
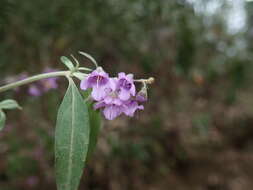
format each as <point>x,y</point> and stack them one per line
<point>67,62</point>
<point>9,104</point>
<point>71,139</point>
<point>84,69</point>
<point>2,120</point>
<point>89,57</point>
<point>77,62</point>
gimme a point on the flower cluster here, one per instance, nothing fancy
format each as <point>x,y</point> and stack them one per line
<point>115,95</point>
<point>38,88</point>
<point>43,86</point>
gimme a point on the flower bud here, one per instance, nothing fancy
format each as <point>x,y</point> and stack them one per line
<point>142,95</point>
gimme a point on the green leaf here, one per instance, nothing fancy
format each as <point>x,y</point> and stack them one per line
<point>66,61</point>
<point>9,104</point>
<point>77,62</point>
<point>71,139</point>
<point>79,75</point>
<point>95,125</point>
<point>2,120</point>
<point>89,57</point>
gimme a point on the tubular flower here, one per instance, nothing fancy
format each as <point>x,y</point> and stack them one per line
<point>131,106</point>
<point>126,86</point>
<point>43,86</point>
<point>97,80</point>
<point>142,95</point>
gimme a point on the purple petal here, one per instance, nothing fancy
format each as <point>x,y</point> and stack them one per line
<point>141,97</point>
<point>132,90</point>
<point>101,72</point>
<point>99,105</point>
<point>121,75</point>
<point>124,94</point>
<point>112,111</point>
<point>112,84</point>
<point>108,100</point>
<point>34,91</point>
<point>98,77</point>
<point>95,79</point>
<point>98,93</point>
<point>117,101</point>
<point>84,84</point>
<point>48,84</point>
<point>131,107</point>
<point>126,82</point>
<point>130,77</point>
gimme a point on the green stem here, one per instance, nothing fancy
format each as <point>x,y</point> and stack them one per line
<point>34,78</point>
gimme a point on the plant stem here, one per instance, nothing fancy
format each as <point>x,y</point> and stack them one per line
<point>34,78</point>
<point>150,80</point>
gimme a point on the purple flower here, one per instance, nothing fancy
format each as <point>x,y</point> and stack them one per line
<point>42,86</point>
<point>126,86</point>
<point>111,111</point>
<point>50,83</point>
<point>34,90</point>
<point>131,106</point>
<point>98,81</point>
<point>142,95</point>
<point>112,105</point>
<point>111,92</point>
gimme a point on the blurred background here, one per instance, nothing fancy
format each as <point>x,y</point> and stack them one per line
<point>196,132</point>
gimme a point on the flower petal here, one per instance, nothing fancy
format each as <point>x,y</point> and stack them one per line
<point>132,90</point>
<point>124,94</point>
<point>84,84</point>
<point>34,91</point>
<point>98,93</point>
<point>108,100</point>
<point>112,84</point>
<point>112,111</point>
<point>131,107</point>
<point>48,84</point>
<point>99,105</point>
<point>130,77</point>
<point>121,75</point>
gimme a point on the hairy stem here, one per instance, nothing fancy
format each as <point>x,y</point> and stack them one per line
<point>34,78</point>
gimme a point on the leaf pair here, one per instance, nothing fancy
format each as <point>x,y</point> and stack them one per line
<point>68,63</point>
<point>75,70</point>
<point>74,139</point>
